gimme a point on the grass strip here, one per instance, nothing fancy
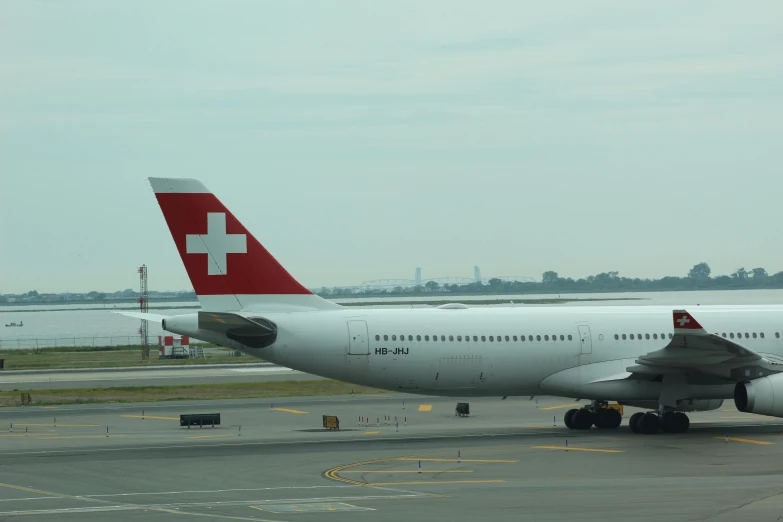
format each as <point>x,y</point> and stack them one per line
<point>88,357</point>
<point>255,390</point>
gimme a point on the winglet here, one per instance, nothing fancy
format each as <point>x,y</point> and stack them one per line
<point>685,322</point>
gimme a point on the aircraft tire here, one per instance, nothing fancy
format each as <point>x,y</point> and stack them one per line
<point>649,424</point>
<point>568,418</point>
<point>608,419</point>
<point>633,422</point>
<point>682,422</point>
<point>583,419</point>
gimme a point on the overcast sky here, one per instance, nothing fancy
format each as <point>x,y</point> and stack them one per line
<point>359,140</point>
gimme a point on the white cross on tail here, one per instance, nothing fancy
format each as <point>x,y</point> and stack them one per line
<point>683,320</point>
<point>216,243</point>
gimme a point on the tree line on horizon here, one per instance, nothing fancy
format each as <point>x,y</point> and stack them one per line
<point>698,278</point>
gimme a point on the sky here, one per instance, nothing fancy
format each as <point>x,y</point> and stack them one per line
<point>360,140</point>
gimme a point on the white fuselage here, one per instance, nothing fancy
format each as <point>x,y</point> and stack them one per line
<point>493,351</point>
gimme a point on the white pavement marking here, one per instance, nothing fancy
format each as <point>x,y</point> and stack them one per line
<point>214,491</point>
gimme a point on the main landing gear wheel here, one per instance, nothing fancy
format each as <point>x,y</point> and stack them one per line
<point>675,422</point>
<point>582,419</point>
<point>634,421</point>
<point>648,424</point>
<point>608,419</point>
<point>568,419</point>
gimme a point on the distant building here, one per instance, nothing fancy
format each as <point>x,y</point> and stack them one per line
<point>476,274</point>
<point>418,277</point>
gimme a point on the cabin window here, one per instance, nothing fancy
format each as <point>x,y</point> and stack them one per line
<point>483,339</point>
<point>623,337</point>
<point>569,337</point>
<point>754,335</point>
<point>522,338</point>
<point>723,334</point>
<point>427,338</point>
<point>671,335</point>
<point>491,339</point>
<point>646,336</point>
<point>747,335</point>
<point>394,337</point>
<point>639,336</point>
<point>761,334</point>
<point>467,338</point>
<point>554,337</point>
<point>538,337</point>
<point>655,336</point>
<point>451,337</point>
<point>530,338</point>
<point>616,337</point>
<point>731,335</point>
<point>377,337</point>
<point>435,338</point>
<point>418,337</point>
<point>507,339</point>
<point>632,337</point>
<point>475,338</point>
<point>385,337</point>
<point>546,337</point>
<point>777,335</point>
<point>515,338</point>
<point>443,338</point>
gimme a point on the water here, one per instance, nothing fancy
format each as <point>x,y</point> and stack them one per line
<point>74,325</point>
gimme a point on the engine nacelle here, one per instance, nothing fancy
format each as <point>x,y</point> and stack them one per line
<point>759,396</point>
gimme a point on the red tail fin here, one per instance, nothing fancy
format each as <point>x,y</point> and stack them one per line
<point>222,258</point>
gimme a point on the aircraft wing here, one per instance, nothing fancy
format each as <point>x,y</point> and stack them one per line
<point>693,349</point>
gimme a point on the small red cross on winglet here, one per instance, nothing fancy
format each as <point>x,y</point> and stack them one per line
<point>685,321</point>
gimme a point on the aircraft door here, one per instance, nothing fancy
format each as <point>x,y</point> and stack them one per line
<point>585,339</point>
<point>358,339</point>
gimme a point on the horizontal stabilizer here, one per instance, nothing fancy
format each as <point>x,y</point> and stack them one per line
<point>155,318</point>
<point>255,332</point>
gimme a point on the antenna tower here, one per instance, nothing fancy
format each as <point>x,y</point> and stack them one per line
<point>144,298</point>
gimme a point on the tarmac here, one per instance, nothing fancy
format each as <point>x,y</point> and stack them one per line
<point>394,458</point>
<point>26,380</point>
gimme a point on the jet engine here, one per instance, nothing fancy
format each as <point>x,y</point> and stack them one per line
<point>763,396</point>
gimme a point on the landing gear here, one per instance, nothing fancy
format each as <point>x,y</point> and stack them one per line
<point>675,422</point>
<point>650,423</point>
<point>608,419</point>
<point>596,414</point>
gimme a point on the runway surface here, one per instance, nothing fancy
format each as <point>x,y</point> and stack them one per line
<point>271,460</point>
<point>155,376</point>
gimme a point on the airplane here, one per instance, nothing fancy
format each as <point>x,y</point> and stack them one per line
<point>651,357</point>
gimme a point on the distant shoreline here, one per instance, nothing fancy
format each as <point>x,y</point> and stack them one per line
<point>433,299</point>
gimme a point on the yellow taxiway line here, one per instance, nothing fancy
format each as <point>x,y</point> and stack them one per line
<point>286,410</point>
<point>748,441</point>
<point>454,460</point>
<point>559,407</point>
<point>425,407</point>
<point>563,448</point>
